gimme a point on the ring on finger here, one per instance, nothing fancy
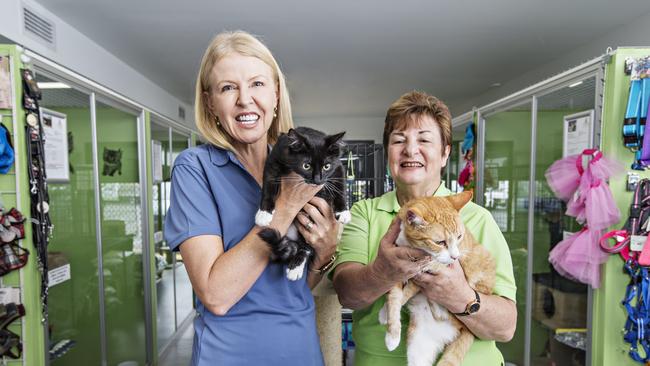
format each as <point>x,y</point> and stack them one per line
<point>309,225</point>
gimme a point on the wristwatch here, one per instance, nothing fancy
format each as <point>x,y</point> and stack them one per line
<point>472,307</point>
<point>325,267</point>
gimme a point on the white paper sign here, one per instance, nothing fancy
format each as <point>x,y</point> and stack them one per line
<point>578,132</point>
<point>156,161</point>
<point>58,275</point>
<point>6,95</point>
<point>55,133</point>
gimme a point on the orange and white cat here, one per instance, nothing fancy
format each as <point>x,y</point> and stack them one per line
<point>433,224</point>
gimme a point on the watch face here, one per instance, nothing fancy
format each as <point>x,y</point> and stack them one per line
<point>474,308</point>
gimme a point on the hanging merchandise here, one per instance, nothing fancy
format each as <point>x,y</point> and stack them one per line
<point>466,176</point>
<point>6,150</point>
<point>41,223</point>
<point>630,242</point>
<point>590,201</point>
<point>636,113</point>
<point>468,141</point>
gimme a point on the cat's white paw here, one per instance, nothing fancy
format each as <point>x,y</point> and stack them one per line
<point>295,274</point>
<point>383,316</point>
<point>391,341</point>
<point>263,218</point>
<point>345,217</point>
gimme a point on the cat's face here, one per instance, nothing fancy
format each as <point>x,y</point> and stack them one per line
<point>433,224</point>
<point>313,155</point>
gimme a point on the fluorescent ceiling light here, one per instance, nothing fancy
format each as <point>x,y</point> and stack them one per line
<point>575,84</point>
<point>53,85</point>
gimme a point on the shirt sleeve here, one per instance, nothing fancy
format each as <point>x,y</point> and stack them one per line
<point>353,246</point>
<point>487,232</point>
<point>192,209</point>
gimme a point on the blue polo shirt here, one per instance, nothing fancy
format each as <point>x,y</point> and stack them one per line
<point>274,323</point>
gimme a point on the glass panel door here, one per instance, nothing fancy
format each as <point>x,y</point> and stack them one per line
<point>163,256</point>
<point>74,304</point>
<point>506,182</point>
<point>557,301</point>
<point>121,219</point>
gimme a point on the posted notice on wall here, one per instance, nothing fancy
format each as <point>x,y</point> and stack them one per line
<point>156,161</point>
<point>55,133</point>
<point>578,132</point>
<point>5,84</point>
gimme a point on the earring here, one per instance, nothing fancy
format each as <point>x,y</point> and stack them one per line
<point>275,112</point>
<point>216,118</point>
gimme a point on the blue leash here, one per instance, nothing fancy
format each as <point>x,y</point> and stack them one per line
<point>637,304</point>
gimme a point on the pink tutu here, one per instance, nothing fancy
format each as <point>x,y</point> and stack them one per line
<point>576,208</point>
<point>579,257</point>
<point>563,177</point>
<point>604,168</point>
<point>600,209</point>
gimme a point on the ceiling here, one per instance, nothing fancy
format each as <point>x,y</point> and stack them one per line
<point>353,58</point>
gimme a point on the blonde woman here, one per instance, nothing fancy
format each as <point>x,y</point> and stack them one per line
<point>248,312</point>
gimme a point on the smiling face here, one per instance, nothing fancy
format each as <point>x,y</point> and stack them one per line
<point>416,154</point>
<point>243,95</point>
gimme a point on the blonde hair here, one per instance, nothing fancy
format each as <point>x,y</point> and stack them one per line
<point>245,44</point>
<point>415,104</point>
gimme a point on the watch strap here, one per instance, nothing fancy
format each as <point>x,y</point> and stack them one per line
<point>469,306</point>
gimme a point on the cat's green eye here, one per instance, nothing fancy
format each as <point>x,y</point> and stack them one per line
<point>306,166</point>
<point>327,166</point>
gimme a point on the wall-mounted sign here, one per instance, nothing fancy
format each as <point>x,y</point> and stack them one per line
<point>156,161</point>
<point>5,84</point>
<point>578,133</point>
<point>55,133</point>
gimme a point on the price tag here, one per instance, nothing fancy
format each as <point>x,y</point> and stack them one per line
<point>9,295</point>
<point>637,242</point>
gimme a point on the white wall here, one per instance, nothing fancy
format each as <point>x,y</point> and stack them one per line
<point>83,56</point>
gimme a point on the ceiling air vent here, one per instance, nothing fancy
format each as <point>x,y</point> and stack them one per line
<point>39,27</point>
<point>181,113</point>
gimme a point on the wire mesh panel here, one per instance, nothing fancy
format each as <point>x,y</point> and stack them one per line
<point>365,170</point>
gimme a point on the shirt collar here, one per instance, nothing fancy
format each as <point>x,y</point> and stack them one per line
<point>220,157</point>
<point>388,202</point>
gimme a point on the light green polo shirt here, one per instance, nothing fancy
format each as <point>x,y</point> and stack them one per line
<point>359,243</point>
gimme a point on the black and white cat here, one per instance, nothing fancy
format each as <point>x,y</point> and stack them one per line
<point>314,156</point>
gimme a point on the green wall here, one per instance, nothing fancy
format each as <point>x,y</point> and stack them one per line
<point>609,315</point>
<point>33,335</point>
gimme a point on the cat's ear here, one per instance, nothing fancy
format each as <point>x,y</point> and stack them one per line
<point>296,141</point>
<point>335,139</point>
<point>414,219</point>
<point>460,200</point>
<point>335,143</point>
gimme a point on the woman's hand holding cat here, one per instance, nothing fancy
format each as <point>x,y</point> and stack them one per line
<point>319,227</point>
<point>294,195</point>
<point>397,264</point>
<point>447,287</point>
